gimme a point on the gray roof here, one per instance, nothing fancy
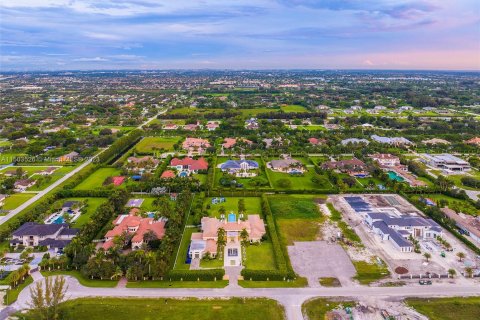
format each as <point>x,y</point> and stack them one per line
<point>235,164</point>
<point>35,229</point>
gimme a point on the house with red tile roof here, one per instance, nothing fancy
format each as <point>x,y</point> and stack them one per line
<point>195,145</point>
<point>118,180</point>
<point>135,226</point>
<point>231,142</point>
<point>475,141</point>
<point>189,165</point>
<point>212,125</point>
<point>170,126</point>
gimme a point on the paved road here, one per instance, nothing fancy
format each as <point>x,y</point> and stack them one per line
<point>290,298</point>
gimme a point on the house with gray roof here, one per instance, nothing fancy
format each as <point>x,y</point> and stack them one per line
<point>53,236</point>
<point>240,168</point>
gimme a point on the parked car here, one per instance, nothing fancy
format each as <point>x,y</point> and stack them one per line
<point>425,282</point>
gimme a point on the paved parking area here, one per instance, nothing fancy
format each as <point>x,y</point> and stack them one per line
<point>318,259</point>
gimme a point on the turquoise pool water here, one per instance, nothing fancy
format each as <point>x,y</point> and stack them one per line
<point>394,176</point>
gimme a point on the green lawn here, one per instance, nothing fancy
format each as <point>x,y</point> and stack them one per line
<point>152,144</point>
<point>447,308</point>
<point>83,281</point>
<point>316,309</point>
<point>92,205</point>
<point>294,206</point>
<point>291,230</point>
<point>211,263</point>
<point>368,272</point>
<point>178,284</point>
<point>7,158</point>
<point>247,113</point>
<point>329,282</point>
<point>293,108</point>
<point>12,295</point>
<point>16,199</point>
<point>56,175</point>
<point>297,283</point>
<point>313,127</point>
<point>260,256</point>
<point>171,309</point>
<point>253,205</point>
<point>96,179</point>
<point>248,183</point>
<point>299,182</point>
<point>457,179</point>
<point>183,250</point>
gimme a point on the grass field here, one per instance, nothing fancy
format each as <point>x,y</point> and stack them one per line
<point>368,272</point>
<point>297,283</point>
<point>253,205</point>
<point>92,205</point>
<point>96,179</point>
<point>293,108</point>
<point>12,295</point>
<point>315,309</point>
<point>313,127</point>
<point>7,158</point>
<point>171,309</point>
<point>178,284</point>
<point>16,199</point>
<point>298,230</point>
<point>447,308</point>
<point>149,145</point>
<point>260,257</point>
<point>183,250</point>
<point>247,113</point>
<point>298,182</point>
<point>457,179</point>
<point>455,204</point>
<point>57,174</point>
<point>294,206</point>
<point>83,281</point>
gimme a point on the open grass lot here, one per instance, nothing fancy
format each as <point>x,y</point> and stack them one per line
<point>297,283</point>
<point>313,127</point>
<point>368,272</point>
<point>454,204</point>
<point>96,179</point>
<point>57,174</point>
<point>294,206</point>
<point>315,309</point>
<point>260,256</point>
<point>178,284</point>
<point>299,182</point>
<point>83,281</point>
<point>447,308</point>
<point>29,170</point>
<point>298,230</point>
<point>171,309</point>
<point>16,199</point>
<point>193,111</point>
<point>150,145</point>
<point>457,179</point>
<point>293,108</point>
<point>253,205</point>
<point>247,113</point>
<point>183,250</point>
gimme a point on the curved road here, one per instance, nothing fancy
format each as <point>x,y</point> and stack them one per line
<point>290,298</point>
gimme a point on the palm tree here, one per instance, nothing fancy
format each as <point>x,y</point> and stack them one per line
<point>427,256</point>
<point>460,256</point>
<point>221,241</point>
<point>222,210</point>
<point>452,272</point>
<point>244,237</point>
<point>469,271</point>
<point>118,274</point>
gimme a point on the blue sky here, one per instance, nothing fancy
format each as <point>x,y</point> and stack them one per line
<point>242,34</point>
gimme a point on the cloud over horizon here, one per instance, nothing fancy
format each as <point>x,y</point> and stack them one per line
<point>257,34</point>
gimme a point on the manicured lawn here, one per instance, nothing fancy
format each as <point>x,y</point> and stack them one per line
<point>299,182</point>
<point>211,263</point>
<point>83,281</point>
<point>183,250</point>
<point>96,179</point>
<point>253,112</point>
<point>16,199</point>
<point>294,206</point>
<point>92,205</point>
<point>297,283</point>
<point>29,170</point>
<point>457,179</point>
<point>316,309</point>
<point>153,144</point>
<point>57,174</point>
<point>253,205</point>
<point>178,284</point>
<point>313,127</point>
<point>248,183</point>
<point>260,257</point>
<point>171,309</point>
<point>368,272</point>
<point>291,230</point>
<point>12,295</point>
<point>447,308</point>
<point>293,108</point>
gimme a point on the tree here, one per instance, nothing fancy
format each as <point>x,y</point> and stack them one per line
<point>452,272</point>
<point>47,295</point>
<point>469,272</point>
<point>241,206</point>
<point>427,256</point>
<point>222,210</point>
<point>244,236</point>
<point>221,241</point>
<point>460,256</point>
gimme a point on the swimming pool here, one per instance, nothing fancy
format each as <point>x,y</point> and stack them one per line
<point>394,176</point>
<point>59,220</point>
<point>232,217</point>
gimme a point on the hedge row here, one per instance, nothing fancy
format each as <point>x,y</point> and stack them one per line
<point>267,275</point>
<point>196,275</point>
<point>98,193</point>
<point>120,145</point>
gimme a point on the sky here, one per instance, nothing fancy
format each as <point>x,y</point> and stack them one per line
<point>241,34</point>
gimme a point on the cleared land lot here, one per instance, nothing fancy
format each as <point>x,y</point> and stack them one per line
<point>96,179</point>
<point>171,309</point>
<point>150,145</point>
<point>447,308</point>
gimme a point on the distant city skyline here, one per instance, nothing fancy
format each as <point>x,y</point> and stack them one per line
<point>244,34</point>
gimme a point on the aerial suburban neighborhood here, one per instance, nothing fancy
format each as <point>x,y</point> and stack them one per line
<point>219,160</point>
